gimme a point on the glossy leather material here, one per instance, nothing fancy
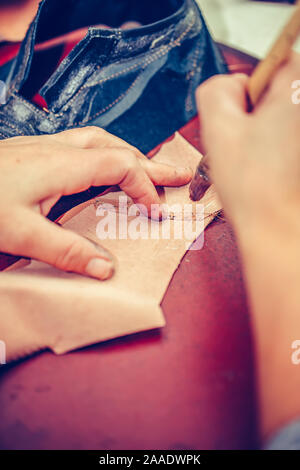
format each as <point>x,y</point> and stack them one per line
<point>138,84</point>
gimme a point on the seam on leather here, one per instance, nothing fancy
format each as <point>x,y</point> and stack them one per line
<point>111,104</point>
<point>29,105</point>
<point>11,126</point>
<point>163,50</point>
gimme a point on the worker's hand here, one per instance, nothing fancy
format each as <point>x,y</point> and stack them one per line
<point>254,157</point>
<point>36,171</point>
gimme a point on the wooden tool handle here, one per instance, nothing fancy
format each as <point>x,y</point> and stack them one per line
<point>279,53</point>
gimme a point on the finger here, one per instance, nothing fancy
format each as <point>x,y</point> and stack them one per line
<point>162,174</point>
<point>136,177</point>
<point>74,170</point>
<point>222,105</point>
<point>70,170</point>
<point>137,184</point>
<point>93,137</point>
<point>45,241</point>
<point>77,169</point>
<point>222,99</point>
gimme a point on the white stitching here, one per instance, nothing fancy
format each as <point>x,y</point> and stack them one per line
<point>163,50</point>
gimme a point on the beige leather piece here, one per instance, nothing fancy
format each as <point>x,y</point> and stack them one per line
<point>42,307</point>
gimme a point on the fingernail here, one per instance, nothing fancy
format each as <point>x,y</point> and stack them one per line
<point>156,212</point>
<point>160,212</point>
<point>99,268</point>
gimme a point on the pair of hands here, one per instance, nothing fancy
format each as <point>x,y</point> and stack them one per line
<point>36,171</point>
<point>255,166</point>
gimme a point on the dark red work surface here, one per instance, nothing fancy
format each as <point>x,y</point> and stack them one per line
<point>187,386</point>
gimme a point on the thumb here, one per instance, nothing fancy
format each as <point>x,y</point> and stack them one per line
<point>45,241</point>
<point>223,96</point>
<point>222,104</point>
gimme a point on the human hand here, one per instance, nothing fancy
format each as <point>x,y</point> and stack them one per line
<point>36,171</point>
<point>254,157</point>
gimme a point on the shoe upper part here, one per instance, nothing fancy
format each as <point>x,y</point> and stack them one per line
<point>139,84</point>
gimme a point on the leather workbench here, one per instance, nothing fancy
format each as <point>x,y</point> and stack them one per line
<point>187,386</point>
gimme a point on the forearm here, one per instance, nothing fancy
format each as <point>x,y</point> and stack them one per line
<point>271,260</point>
<point>254,164</point>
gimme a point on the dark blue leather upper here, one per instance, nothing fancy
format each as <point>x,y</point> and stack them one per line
<point>138,84</point>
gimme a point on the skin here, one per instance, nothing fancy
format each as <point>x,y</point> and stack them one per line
<point>15,17</point>
<point>255,166</point>
<point>36,171</point>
